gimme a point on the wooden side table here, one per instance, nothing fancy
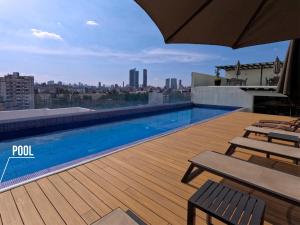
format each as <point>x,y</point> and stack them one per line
<point>225,204</point>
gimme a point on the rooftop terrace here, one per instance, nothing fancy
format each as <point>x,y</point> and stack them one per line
<point>144,178</point>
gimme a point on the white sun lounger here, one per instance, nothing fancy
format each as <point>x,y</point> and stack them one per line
<point>275,183</point>
<point>268,148</point>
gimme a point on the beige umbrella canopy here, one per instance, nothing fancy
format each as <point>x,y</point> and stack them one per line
<point>233,23</point>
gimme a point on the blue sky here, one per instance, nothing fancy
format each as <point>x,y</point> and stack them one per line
<point>100,40</point>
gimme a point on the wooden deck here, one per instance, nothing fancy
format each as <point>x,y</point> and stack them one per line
<point>144,178</point>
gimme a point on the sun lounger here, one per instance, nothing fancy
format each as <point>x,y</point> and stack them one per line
<point>266,131</point>
<point>268,148</point>
<point>275,183</point>
<point>291,128</point>
<point>274,134</point>
<point>291,122</point>
<point>119,217</point>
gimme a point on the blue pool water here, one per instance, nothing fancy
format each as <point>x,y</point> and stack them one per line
<point>62,147</point>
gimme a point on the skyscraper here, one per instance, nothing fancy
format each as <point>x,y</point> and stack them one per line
<point>17,92</point>
<point>134,78</point>
<point>131,77</point>
<point>173,83</point>
<point>145,78</point>
<point>167,83</point>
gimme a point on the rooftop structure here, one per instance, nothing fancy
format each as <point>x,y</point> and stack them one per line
<point>144,178</point>
<point>250,66</point>
<point>254,74</point>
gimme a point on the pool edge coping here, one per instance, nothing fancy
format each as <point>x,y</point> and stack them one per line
<point>84,160</point>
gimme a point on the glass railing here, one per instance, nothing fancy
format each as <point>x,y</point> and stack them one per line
<point>106,101</point>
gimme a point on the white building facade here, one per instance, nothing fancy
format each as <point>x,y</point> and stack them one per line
<point>256,79</point>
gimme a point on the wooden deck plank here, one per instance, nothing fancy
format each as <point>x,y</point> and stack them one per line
<point>175,198</point>
<point>79,204</point>
<point>144,212</point>
<point>146,179</point>
<point>48,213</point>
<point>91,199</point>
<point>172,188</point>
<point>8,210</point>
<point>66,211</point>
<point>157,208</point>
<point>98,191</point>
<point>156,196</point>
<point>26,208</point>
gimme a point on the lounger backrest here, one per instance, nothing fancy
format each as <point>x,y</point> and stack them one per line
<point>266,147</point>
<point>266,131</point>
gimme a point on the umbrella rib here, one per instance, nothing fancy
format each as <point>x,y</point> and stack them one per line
<point>188,20</point>
<point>235,44</point>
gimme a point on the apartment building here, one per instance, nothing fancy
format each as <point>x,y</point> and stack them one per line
<point>16,92</point>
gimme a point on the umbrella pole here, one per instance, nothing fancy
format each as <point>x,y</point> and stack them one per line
<point>261,75</point>
<point>291,106</point>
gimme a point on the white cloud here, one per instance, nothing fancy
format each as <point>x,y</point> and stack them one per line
<point>154,56</point>
<point>92,23</point>
<point>46,35</point>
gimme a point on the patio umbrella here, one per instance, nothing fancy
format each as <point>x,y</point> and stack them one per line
<point>289,83</point>
<point>238,69</point>
<point>277,66</point>
<point>232,23</point>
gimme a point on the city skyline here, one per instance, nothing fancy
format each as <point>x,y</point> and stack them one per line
<point>141,83</point>
<point>100,40</point>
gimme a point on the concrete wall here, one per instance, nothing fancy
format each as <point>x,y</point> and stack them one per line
<point>223,95</point>
<point>34,113</point>
<point>201,79</point>
<point>253,76</point>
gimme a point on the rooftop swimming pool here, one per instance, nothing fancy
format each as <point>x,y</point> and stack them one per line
<point>59,150</point>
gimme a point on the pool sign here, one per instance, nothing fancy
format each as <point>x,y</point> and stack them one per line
<point>21,150</point>
<point>18,152</point>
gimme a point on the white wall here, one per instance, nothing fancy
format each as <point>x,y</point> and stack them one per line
<point>253,76</point>
<point>201,79</point>
<point>222,95</point>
